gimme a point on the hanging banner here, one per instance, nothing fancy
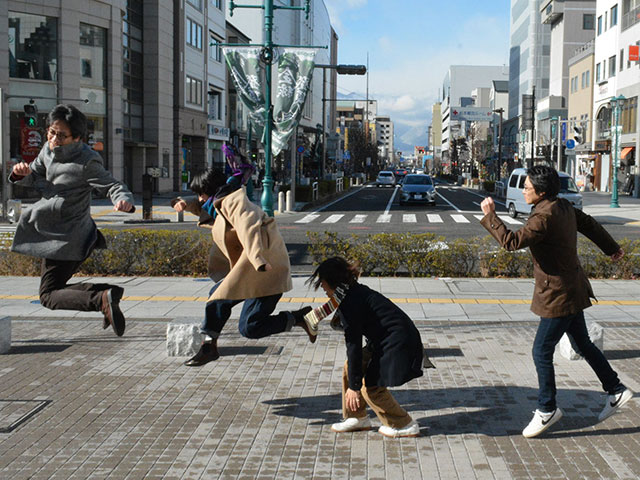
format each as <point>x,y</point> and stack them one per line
<point>295,71</point>
<point>247,74</point>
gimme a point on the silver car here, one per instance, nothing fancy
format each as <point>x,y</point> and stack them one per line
<point>385,177</point>
<point>417,188</point>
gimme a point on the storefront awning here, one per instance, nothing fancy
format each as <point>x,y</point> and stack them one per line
<point>625,151</point>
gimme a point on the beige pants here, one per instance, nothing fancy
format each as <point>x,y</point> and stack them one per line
<point>379,399</point>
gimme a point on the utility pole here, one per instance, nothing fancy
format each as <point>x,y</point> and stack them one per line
<point>533,125</point>
<point>267,57</point>
<point>501,112</point>
<point>3,160</point>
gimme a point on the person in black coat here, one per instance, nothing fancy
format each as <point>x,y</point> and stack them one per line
<point>393,354</point>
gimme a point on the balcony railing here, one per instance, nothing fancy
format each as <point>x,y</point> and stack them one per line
<point>630,18</point>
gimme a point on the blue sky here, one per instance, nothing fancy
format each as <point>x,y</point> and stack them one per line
<point>411,43</point>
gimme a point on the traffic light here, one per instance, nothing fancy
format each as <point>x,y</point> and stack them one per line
<point>254,155</point>
<point>31,115</point>
<point>578,134</point>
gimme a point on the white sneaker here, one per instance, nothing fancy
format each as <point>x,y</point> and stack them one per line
<point>411,430</point>
<point>352,424</point>
<point>614,402</point>
<point>540,422</point>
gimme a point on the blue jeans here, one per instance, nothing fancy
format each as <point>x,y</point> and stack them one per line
<point>255,321</point>
<point>550,331</point>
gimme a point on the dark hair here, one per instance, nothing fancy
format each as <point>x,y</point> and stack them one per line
<point>335,271</point>
<point>544,180</point>
<point>208,182</point>
<point>73,117</point>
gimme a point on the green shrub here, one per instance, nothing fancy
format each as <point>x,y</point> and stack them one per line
<point>488,185</point>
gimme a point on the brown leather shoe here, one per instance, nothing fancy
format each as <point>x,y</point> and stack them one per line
<point>208,353</point>
<point>116,296</point>
<point>111,310</point>
<point>299,316</point>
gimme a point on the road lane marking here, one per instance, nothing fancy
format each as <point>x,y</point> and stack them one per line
<point>451,204</point>
<point>510,220</point>
<point>308,218</point>
<point>434,218</point>
<point>409,218</point>
<point>386,210</point>
<point>333,218</point>
<point>460,219</point>
<point>384,218</point>
<point>358,219</point>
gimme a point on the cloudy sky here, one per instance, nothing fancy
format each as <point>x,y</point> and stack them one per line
<point>411,43</point>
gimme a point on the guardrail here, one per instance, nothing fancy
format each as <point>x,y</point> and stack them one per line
<point>314,191</point>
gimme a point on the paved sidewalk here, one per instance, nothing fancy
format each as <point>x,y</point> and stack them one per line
<point>120,408</point>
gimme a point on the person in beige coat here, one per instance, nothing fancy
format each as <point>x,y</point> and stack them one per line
<point>257,262</point>
<point>562,290</point>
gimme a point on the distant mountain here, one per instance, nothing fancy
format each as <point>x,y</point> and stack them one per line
<point>408,137</point>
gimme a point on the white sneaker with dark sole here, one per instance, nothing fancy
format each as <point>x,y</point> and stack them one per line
<point>411,430</point>
<point>352,425</point>
<point>614,402</point>
<point>540,422</point>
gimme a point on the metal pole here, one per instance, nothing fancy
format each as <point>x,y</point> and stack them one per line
<point>3,160</point>
<point>636,183</point>
<point>614,187</point>
<point>533,124</point>
<point>324,120</point>
<point>267,183</point>
<point>559,143</point>
<point>501,111</point>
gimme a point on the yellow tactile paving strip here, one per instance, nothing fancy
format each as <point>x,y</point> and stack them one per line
<point>460,301</point>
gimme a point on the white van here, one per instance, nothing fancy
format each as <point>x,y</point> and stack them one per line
<point>515,198</point>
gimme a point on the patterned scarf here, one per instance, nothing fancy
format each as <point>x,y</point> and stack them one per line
<point>319,313</point>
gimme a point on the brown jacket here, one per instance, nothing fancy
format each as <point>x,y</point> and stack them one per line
<point>561,286</point>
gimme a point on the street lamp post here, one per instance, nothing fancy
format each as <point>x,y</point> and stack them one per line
<point>616,104</point>
<point>501,112</point>
<point>267,56</point>
<point>342,70</point>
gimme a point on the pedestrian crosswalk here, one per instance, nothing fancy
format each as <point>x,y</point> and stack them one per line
<point>404,218</point>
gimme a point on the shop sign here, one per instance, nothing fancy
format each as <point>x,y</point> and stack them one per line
<point>602,145</point>
<point>30,142</point>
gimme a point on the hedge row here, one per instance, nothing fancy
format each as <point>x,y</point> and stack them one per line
<point>141,252</point>
<point>424,255</point>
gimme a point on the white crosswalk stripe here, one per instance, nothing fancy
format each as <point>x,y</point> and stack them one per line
<point>504,218</point>
<point>358,219</point>
<point>308,218</point>
<point>333,218</point>
<point>384,218</point>
<point>409,218</point>
<point>434,218</point>
<point>460,219</point>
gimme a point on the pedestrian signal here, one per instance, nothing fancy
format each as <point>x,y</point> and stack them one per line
<point>578,134</point>
<point>31,115</point>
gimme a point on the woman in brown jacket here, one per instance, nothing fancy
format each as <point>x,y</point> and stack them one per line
<point>258,261</point>
<point>562,290</point>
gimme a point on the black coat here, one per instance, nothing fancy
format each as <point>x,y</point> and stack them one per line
<point>392,337</point>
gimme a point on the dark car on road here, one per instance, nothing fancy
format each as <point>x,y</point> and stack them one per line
<point>417,188</point>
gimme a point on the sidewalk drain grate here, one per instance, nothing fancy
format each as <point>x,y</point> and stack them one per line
<point>443,352</point>
<point>13,413</point>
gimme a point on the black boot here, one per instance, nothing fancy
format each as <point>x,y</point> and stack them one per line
<point>299,316</point>
<point>208,353</point>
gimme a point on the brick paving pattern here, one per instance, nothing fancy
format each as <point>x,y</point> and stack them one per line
<point>121,409</point>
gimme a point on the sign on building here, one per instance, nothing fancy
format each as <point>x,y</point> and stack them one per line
<point>471,114</point>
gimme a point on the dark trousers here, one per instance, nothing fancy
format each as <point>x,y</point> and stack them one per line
<point>56,294</point>
<point>255,321</point>
<point>550,331</point>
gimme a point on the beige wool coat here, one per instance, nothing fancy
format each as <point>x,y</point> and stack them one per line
<point>248,239</point>
<point>561,286</point>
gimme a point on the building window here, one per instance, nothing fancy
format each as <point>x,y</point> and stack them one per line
<point>599,24</point>
<point>217,4</point>
<point>621,59</point>
<point>582,79</point>
<point>614,15</point>
<point>194,34</point>
<point>93,55</point>
<point>215,104</point>
<point>628,115</point>
<point>132,72</point>
<point>612,66</point>
<point>33,41</point>
<point>588,20</point>
<point>215,50</point>
<point>193,90</point>
<point>588,79</point>
<point>598,72</point>
<point>197,4</point>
